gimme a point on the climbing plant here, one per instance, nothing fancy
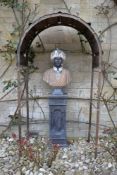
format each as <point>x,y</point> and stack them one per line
<point>107,10</point>
<point>23,15</point>
<point>9,3</point>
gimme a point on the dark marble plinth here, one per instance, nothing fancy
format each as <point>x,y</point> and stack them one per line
<point>57,125</point>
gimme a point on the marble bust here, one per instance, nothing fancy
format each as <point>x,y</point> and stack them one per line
<point>57,76</point>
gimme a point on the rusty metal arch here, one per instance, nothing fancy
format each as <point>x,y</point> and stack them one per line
<point>58,19</point>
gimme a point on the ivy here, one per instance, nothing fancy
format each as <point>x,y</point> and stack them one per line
<point>11,46</point>
<point>103,9</point>
<point>9,50</point>
<point>9,3</point>
<point>14,4</point>
<point>9,84</point>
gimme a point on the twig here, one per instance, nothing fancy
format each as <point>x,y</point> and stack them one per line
<point>106,105</point>
<point>38,104</point>
<point>27,18</point>
<point>79,115</point>
<point>110,38</point>
<point>9,125</point>
<point>66,6</point>
<point>111,25</point>
<point>7,93</point>
<point>6,70</point>
<point>41,42</point>
<point>19,104</point>
<point>16,18</point>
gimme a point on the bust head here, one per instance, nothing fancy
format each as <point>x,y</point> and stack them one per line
<point>57,76</point>
<point>57,57</point>
<point>57,62</point>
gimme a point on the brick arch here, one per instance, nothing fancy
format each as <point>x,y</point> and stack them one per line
<point>58,19</point>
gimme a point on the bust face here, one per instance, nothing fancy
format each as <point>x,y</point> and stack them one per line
<point>58,62</point>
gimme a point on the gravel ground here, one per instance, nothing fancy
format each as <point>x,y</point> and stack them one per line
<point>76,159</point>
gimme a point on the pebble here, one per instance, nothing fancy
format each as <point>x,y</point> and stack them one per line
<point>42,170</point>
<point>85,167</point>
<point>31,173</point>
<point>40,174</point>
<point>50,173</point>
<point>36,173</point>
<point>110,165</point>
<point>65,156</point>
<point>31,164</point>
<point>24,169</point>
<point>18,173</point>
<point>27,172</point>
<point>77,159</point>
<point>87,160</point>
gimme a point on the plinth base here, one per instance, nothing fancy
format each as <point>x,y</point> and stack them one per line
<point>60,142</point>
<point>57,106</point>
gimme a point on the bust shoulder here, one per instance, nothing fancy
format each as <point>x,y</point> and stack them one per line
<point>66,71</point>
<point>48,70</point>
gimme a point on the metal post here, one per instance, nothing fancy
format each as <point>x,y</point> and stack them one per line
<point>98,112</point>
<point>27,100</point>
<point>19,103</point>
<point>90,108</point>
<point>19,96</point>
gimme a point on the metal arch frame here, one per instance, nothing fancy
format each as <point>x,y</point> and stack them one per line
<point>58,19</point>
<point>64,19</point>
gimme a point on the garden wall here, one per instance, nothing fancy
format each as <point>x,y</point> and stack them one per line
<point>78,61</point>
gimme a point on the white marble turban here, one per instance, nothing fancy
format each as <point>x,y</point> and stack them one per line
<point>58,53</point>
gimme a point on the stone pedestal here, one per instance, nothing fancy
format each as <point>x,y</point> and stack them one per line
<point>57,125</point>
